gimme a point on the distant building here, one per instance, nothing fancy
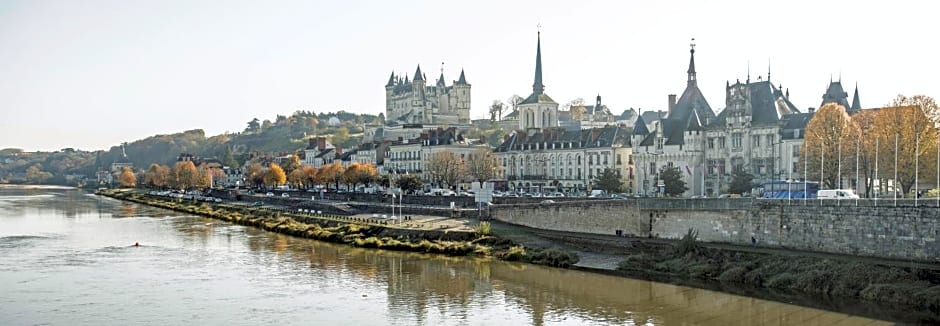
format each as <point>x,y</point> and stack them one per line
<point>415,102</point>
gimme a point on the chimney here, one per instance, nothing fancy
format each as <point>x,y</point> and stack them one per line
<point>672,103</point>
<point>811,110</point>
<point>321,143</point>
<point>339,151</point>
<point>312,142</point>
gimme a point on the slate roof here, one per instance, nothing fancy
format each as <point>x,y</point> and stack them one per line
<point>856,105</point>
<point>418,74</point>
<point>586,138</point>
<point>796,121</point>
<point>768,106</point>
<point>538,98</point>
<point>462,80</point>
<point>836,94</point>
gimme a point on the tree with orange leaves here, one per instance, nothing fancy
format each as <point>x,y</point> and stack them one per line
<point>829,145</point>
<point>332,173</point>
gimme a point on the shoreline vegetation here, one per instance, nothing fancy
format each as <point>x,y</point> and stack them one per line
<point>359,232</point>
<point>907,289</point>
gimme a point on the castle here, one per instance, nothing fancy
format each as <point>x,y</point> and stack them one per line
<point>414,102</point>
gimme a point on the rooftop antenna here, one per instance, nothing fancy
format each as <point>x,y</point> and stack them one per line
<point>768,68</point>
<point>748,80</point>
<point>442,68</point>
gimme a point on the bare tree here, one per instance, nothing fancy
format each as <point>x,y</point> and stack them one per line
<point>482,165</point>
<point>496,110</point>
<point>446,168</point>
<point>514,101</point>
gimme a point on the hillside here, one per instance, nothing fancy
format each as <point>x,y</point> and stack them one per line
<point>284,134</point>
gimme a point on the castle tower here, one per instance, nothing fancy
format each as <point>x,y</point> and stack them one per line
<point>461,92</point>
<point>419,98</point>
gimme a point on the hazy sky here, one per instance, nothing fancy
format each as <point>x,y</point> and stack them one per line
<point>92,74</point>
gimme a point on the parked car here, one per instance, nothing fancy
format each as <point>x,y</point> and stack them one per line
<point>285,195</point>
<point>836,194</point>
<point>257,204</point>
<point>270,194</point>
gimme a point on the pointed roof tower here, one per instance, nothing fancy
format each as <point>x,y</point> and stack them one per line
<point>440,81</point>
<point>391,80</point>
<point>856,105</point>
<point>694,123</point>
<point>418,75</point>
<point>538,87</point>
<point>463,79</point>
<point>639,127</point>
<point>692,78</point>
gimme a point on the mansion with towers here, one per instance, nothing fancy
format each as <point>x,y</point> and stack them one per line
<point>413,101</point>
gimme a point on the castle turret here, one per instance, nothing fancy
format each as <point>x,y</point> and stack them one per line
<point>419,98</point>
<point>461,92</point>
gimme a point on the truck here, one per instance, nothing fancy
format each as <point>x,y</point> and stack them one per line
<point>837,194</point>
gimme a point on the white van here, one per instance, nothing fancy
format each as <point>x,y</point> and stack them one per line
<point>837,194</point>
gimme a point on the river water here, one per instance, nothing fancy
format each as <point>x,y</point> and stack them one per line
<point>67,258</point>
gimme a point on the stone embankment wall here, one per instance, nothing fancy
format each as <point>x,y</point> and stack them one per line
<point>882,231</point>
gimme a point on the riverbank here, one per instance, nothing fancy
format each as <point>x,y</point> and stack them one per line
<point>903,290</point>
<point>359,232</point>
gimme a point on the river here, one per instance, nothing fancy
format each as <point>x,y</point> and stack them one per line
<point>68,258</point>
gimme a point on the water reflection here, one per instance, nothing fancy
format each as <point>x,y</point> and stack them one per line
<point>189,267</point>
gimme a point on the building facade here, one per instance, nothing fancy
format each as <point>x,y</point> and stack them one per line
<point>413,101</point>
<point>556,159</point>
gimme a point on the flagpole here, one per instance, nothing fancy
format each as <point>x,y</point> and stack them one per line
<point>805,173</point>
<point>789,174</point>
<point>857,145</point>
<point>895,170</point>
<point>916,165</point>
<point>877,193</point>
<point>822,167</point>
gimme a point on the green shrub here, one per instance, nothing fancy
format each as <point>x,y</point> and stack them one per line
<point>781,281</point>
<point>515,253</point>
<point>688,243</point>
<point>734,274</point>
<point>554,257</point>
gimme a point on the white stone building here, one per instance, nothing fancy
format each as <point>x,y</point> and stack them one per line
<point>414,102</point>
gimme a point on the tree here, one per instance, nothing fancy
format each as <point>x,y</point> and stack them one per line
<point>127,178</point>
<point>310,175</point>
<point>496,110</point>
<point>332,173</point>
<point>926,104</point>
<point>255,174</point>
<point>672,180</point>
<point>446,168</point>
<point>292,163</point>
<point>482,165</point>
<point>275,175</point>
<point>297,178</point>
<point>909,127</point>
<point>228,159</point>
<point>741,182</point>
<point>340,136</point>
<point>576,108</point>
<point>358,173</point>
<point>253,125</point>
<point>35,174</point>
<point>866,121</point>
<point>185,175</point>
<point>157,176</point>
<point>609,180</point>
<point>829,145</point>
<point>409,183</point>
<point>514,101</point>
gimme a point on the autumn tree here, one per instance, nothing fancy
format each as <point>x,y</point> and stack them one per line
<point>482,165</point>
<point>254,174</point>
<point>332,173</point>
<point>672,181</point>
<point>127,179</point>
<point>577,108</point>
<point>275,175</point>
<point>829,145</point>
<point>446,168</point>
<point>902,131</point>
<point>185,175</point>
<point>292,163</point>
<point>297,178</point>
<point>609,181</point>
<point>156,176</point>
<point>358,173</point>
<point>867,120</point>
<point>310,175</point>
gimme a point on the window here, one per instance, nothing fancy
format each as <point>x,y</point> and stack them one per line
<point>755,141</point>
<point>711,143</point>
<point>721,142</point>
<point>652,167</point>
<point>659,143</point>
<point>618,159</point>
<point>736,140</point>
<point>770,139</point>
<point>796,150</point>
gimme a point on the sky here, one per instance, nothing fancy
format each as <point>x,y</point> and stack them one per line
<point>92,74</point>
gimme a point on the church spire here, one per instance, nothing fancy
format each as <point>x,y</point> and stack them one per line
<point>538,87</point>
<point>391,80</point>
<point>692,78</point>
